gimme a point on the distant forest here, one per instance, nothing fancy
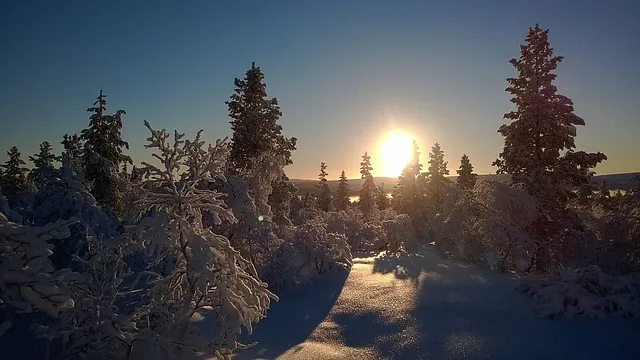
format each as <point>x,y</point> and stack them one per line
<point>613,182</point>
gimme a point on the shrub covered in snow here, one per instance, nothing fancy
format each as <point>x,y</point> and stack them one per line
<point>610,239</point>
<point>489,225</point>
<point>64,194</point>
<point>208,271</point>
<point>310,251</point>
<point>305,214</point>
<point>587,292</point>
<point>28,279</point>
<point>253,235</point>
<point>385,230</point>
<point>108,318</point>
<point>400,235</point>
<point>361,235</point>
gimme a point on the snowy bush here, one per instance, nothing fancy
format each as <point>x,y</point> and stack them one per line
<point>309,252</point>
<point>368,238</point>
<point>208,271</point>
<point>253,235</point>
<point>489,225</point>
<point>265,170</point>
<point>28,279</point>
<point>107,319</point>
<point>586,292</point>
<point>280,200</point>
<point>305,215</point>
<point>64,195</point>
<point>400,235</point>
<point>385,230</point>
<point>610,239</point>
<point>5,209</point>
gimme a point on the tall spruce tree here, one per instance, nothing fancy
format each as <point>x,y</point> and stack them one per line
<point>283,193</point>
<point>324,193</point>
<point>466,177</point>
<point>436,180</point>
<point>43,162</point>
<point>369,189</point>
<point>103,154</point>
<point>341,199</point>
<point>407,193</point>
<point>539,142</point>
<point>437,166</point>
<point>254,122</point>
<point>14,177</point>
<point>382,199</point>
<point>73,151</point>
<point>45,157</point>
<point>72,146</point>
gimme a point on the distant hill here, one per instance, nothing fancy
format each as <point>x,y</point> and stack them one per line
<point>614,182</point>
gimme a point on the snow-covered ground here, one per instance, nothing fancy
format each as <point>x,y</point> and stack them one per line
<point>424,307</point>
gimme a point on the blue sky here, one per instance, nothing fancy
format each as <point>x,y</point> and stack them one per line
<point>345,72</point>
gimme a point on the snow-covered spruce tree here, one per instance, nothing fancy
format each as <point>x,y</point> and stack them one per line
<point>66,195</point>
<point>341,198</point>
<point>256,132</point>
<point>14,175</point>
<point>208,271</point>
<point>43,162</point>
<point>435,180</point>
<point>103,154</point>
<point>539,141</point>
<point>44,158</point>
<point>466,177</point>
<point>407,194</point>
<point>254,122</point>
<point>368,192</point>
<point>382,199</point>
<point>28,280</point>
<point>324,193</point>
<point>73,147</point>
<point>283,193</point>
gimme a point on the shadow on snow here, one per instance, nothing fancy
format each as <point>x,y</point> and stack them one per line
<point>290,321</point>
<point>465,312</point>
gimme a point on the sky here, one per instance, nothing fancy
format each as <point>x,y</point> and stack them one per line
<point>345,72</point>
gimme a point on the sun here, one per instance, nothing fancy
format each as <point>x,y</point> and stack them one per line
<point>395,152</point>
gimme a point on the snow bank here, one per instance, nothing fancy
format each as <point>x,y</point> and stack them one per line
<point>425,307</point>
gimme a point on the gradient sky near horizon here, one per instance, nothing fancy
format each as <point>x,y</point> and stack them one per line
<point>345,72</point>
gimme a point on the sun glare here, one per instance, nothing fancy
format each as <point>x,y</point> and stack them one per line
<point>395,153</point>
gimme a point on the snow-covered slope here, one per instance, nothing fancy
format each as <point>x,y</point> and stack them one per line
<point>423,307</point>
